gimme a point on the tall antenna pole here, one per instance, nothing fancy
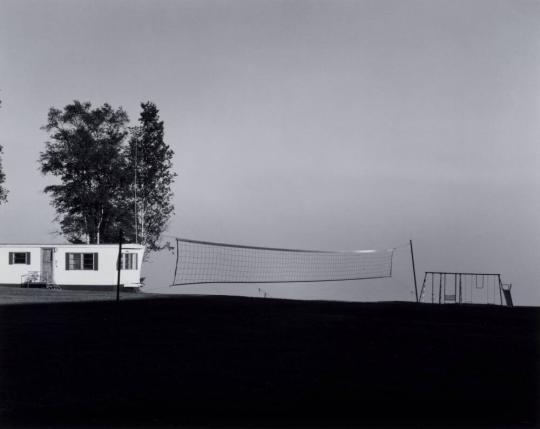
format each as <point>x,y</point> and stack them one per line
<point>414,272</point>
<point>136,214</point>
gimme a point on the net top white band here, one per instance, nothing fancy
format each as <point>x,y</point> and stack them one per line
<point>278,249</point>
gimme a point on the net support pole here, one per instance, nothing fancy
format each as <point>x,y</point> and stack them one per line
<point>119,265</point>
<point>414,271</point>
<point>500,289</point>
<point>177,257</point>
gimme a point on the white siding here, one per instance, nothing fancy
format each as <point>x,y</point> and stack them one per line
<point>12,273</point>
<point>105,275</point>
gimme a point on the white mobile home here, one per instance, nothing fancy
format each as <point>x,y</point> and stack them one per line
<point>70,266</point>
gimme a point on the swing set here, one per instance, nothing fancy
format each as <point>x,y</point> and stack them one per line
<point>465,288</point>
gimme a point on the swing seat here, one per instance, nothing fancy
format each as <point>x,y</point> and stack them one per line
<point>451,298</point>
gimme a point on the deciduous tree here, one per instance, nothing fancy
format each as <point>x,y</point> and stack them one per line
<point>107,183</point>
<point>149,163</point>
<point>85,151</point>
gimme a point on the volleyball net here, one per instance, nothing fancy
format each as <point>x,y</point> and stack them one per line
<point>200,262</point>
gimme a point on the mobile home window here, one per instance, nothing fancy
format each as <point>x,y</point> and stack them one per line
<point>19,258</point>
<point>88,261</point>
<point>129,261</point>
<point>81,261</point>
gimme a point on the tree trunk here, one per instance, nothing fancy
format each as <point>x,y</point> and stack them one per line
<point>99,226</point>
<point>87,233</point>
<point>143,215</point>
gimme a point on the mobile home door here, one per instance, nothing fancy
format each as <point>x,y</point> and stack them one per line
<point>47,265</point>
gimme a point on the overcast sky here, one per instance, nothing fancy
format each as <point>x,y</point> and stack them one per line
<point>306,124</point>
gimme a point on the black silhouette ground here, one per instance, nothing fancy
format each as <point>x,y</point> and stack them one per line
<point>226,361</point>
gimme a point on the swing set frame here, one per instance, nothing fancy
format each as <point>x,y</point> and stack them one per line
<point>453,288</point>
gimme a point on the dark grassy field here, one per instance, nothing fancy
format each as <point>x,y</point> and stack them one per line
<point>226,361</point>
<point>18,295</point>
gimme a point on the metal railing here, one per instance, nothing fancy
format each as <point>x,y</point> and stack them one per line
<point>37,277</point>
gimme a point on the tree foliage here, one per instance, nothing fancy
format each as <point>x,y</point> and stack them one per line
<point>149,161</point>
<point>111,177</point>
<point>85,153</point>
